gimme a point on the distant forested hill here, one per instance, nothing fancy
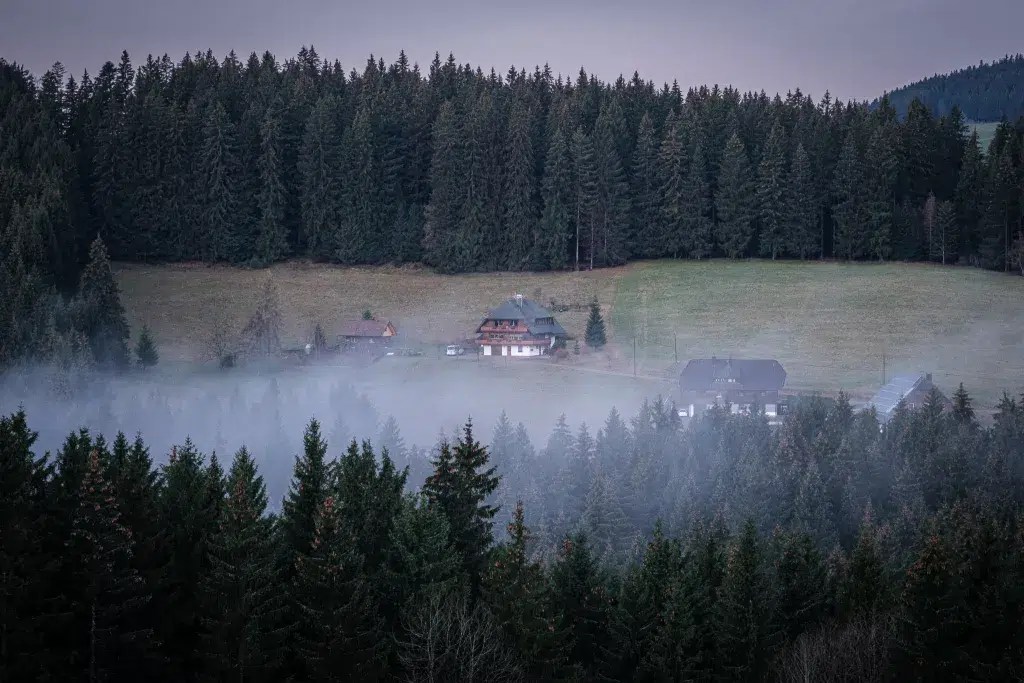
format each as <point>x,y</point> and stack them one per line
<point>986,92</point>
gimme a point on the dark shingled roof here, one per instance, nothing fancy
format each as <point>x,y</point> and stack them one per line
<point>750,374</point>
<point>364,328</point>
<point>529,311</point>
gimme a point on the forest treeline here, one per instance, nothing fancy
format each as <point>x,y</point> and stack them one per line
<point>825,549</point>
<point>992,91</point>
<point>252,162</point>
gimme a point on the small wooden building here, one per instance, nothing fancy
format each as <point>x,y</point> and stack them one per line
<point>367,333</point>
<point>743,384</point>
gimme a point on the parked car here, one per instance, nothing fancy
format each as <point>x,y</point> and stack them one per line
<point>454,350</point>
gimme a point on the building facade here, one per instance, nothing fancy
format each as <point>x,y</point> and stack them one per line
<point>742,384</point>
<point>518,328</point>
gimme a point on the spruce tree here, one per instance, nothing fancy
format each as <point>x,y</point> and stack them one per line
<point>580,601</point>
<point>733,200</point>
<point>108,592</point>
<point>771,184</point>
<point>947,241</point>
<point>603,520</point>
<point>880,168</point>
<point>644,236</point>
<point>672,234</point>
<point>848,212</point>
<point>556,225</point>
<point>240,596</point>
<point>271,200</point>
<point>612,201</point>
<point>459,488</point>
<point>309,488</point>
<point>519,217</point>
<point>339,637</point>
<point>970,195</point>
<point>23,547</point>
<point>698,206</point>
<point>446,169</point>
<point>319,167</point>
<point>745,610</point>
<point>100,314</point>
<point>963,410</point>
<point>595,334</point>
<point>801,214</point>
<point>145,350</point>
<point>585,197</point>
<point>218,171</point>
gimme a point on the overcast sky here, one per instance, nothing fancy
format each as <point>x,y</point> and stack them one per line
<point>855,48</point>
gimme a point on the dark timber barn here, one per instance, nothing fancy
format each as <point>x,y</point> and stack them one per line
<point>744,384</point>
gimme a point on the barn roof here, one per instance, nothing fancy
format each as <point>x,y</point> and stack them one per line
<point>898,388</point>
<point>364,328</point>
<point>748,374</point>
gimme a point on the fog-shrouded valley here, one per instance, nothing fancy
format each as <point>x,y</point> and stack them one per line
<point>420,372</point>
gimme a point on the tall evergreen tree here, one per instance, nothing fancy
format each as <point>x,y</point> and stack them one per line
<point>612,201</point>
<point>556,225</point>
<point>880,168</point>
<point>698,207</point>
<point>848,239</point>
<point>644,235</point>
<point>585,197</point>
<point>145,350</point>
<point>459,488</point>
<point>319,167</point>
<point>241,602</point>
<point>595,334</point>
<point>217,174</point>
<point>519,213</point>
<point>674,217</point>
<point>771,185</point>
<point>100,314</point>
<point>801,214</point>
<point>271,231</point>
<point>732,202</point>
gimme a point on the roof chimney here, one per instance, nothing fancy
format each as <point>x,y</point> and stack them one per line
<point>928,377</point>
<point>519,300</point>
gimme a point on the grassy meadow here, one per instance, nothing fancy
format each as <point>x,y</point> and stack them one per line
<point>830,324</point>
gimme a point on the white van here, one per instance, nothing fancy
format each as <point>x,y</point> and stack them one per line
<point>454,350</point>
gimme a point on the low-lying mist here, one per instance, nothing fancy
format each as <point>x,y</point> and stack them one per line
<point>267,411</point>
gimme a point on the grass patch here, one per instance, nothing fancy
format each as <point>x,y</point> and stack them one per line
<point>830,324</point>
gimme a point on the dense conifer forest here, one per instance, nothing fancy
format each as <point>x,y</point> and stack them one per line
<point>987,92</point>
<point>824,549</point>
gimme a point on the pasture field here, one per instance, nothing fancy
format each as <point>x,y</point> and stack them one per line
<point>830,324</point>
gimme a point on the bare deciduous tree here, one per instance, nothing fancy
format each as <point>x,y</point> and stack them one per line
<point>263,331</point>
<point>221,343</point>
<point>857,652</point>
<point>447,641</point>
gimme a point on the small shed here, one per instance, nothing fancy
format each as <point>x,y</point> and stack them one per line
<point>368,332</point>
<point>910,390</point>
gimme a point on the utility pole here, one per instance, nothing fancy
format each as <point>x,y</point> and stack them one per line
<point>883,369</point>
<point>634,356</point>
<point>675,346</point>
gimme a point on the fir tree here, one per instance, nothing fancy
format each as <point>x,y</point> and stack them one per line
<point>801,211</point>
<point>272,235</point>
<point>241,601</point>
<point>557,222</point>
<point>847,212</point>
<point>963,410</point>
<point>145,350</point>
<point>580,601</point>
<point>732,202</point>
<point>698,207</point>
<point>744,612</point>
<point>319,167</point>
<point>458,488</point>
<point>519,194</point>
<point>446,168</point>
<point>880,169</point>
<point>674,217</point>
<point>595,334</point>
<point>970,194</point>
<point>218,171</point>
<point>771,184</point>
<point>340,636</point>
<point>644,236</point>
<point>585,197</point>
<point>101,315</point>
<point>109,590</point>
